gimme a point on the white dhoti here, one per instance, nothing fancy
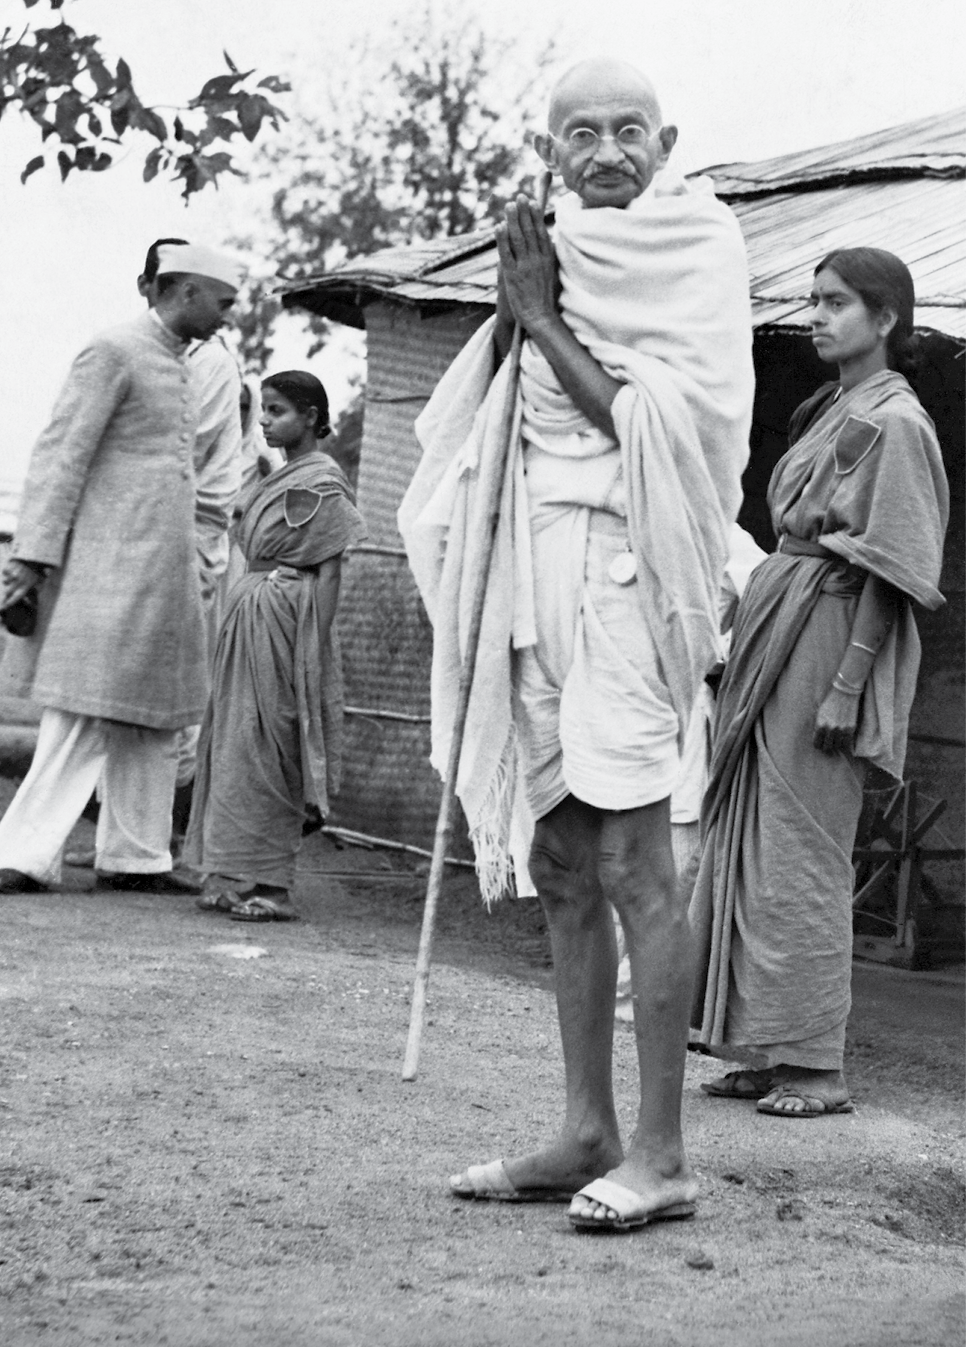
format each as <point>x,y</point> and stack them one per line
<point>593,714</point>
<point>136,768</point>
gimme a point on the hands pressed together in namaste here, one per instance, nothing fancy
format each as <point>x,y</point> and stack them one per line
<point>528,290</point>
<point>528,284</point>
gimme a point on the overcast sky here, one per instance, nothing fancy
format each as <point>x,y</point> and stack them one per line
<point>743,79</point>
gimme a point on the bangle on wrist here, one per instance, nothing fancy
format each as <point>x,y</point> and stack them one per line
<point>867,648</point>
<point>843,685</point>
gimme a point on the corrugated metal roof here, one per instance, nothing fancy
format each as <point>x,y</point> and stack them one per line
<point>899,189</point>
<point>380,273</point>
<point>931,146</point>
<point>921,221</point>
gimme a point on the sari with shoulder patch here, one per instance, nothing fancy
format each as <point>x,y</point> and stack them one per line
<point>271,740</point>
<point>864,488</point>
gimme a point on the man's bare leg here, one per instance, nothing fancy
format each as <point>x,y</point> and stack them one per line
<point>636,870</point>
<point>564,870</point>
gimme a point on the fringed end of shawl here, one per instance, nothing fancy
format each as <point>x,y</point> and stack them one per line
<point>494,869</point>
<point>490,834</point>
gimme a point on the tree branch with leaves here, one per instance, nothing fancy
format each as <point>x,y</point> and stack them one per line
<point>62,80</point>
<point>421,134</point>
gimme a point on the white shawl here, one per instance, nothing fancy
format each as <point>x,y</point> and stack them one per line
<point>658,293</point>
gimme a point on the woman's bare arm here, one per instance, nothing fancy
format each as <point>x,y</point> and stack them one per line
<point>327,592</point>
<point>838,715</point>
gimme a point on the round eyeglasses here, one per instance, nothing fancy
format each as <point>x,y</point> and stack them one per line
<point>582,140</point>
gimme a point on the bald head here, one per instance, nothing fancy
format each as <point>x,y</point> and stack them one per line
<point>599,80</point>
<point>605,138</point>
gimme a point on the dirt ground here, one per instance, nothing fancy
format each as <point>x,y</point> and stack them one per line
<point>207,1141</point>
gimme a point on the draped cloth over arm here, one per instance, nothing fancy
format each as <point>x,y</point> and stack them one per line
<point>271,738</point>
<point>659,295</point>
<point>772,903</point>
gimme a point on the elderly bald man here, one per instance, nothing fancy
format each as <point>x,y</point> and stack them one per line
<point>106,535</point>
<point>601,618</point>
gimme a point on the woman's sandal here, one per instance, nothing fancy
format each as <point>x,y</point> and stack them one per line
<point>261,908</point>
<point>813,1105</point>
<point>221,900</point>
<point>753,1085</point>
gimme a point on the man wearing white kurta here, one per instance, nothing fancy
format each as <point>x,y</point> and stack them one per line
<point>601,614</point>
<point>218,477</point>
<point>118,660</point>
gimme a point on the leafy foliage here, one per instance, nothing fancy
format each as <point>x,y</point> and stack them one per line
<point>419,136</point>
<point>62,80</point>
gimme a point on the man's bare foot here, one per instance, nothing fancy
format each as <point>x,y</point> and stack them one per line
<point>799,1091</point>
<point>562,1167</point>
<point>658,1185</point>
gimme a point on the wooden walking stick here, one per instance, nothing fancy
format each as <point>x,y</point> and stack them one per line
<point>444,820</point>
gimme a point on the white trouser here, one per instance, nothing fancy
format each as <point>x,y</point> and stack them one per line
<point>135,767</point>
<point>187,751</point>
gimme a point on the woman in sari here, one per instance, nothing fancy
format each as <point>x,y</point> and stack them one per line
<point>271,739</point>
<point>817,689</point>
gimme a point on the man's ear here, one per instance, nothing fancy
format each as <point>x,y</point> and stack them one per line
<point>545,147</point>
<point>668,136</point>
<point>144,286</point>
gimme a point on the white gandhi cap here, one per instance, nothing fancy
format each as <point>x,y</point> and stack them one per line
<point>196,259</point>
